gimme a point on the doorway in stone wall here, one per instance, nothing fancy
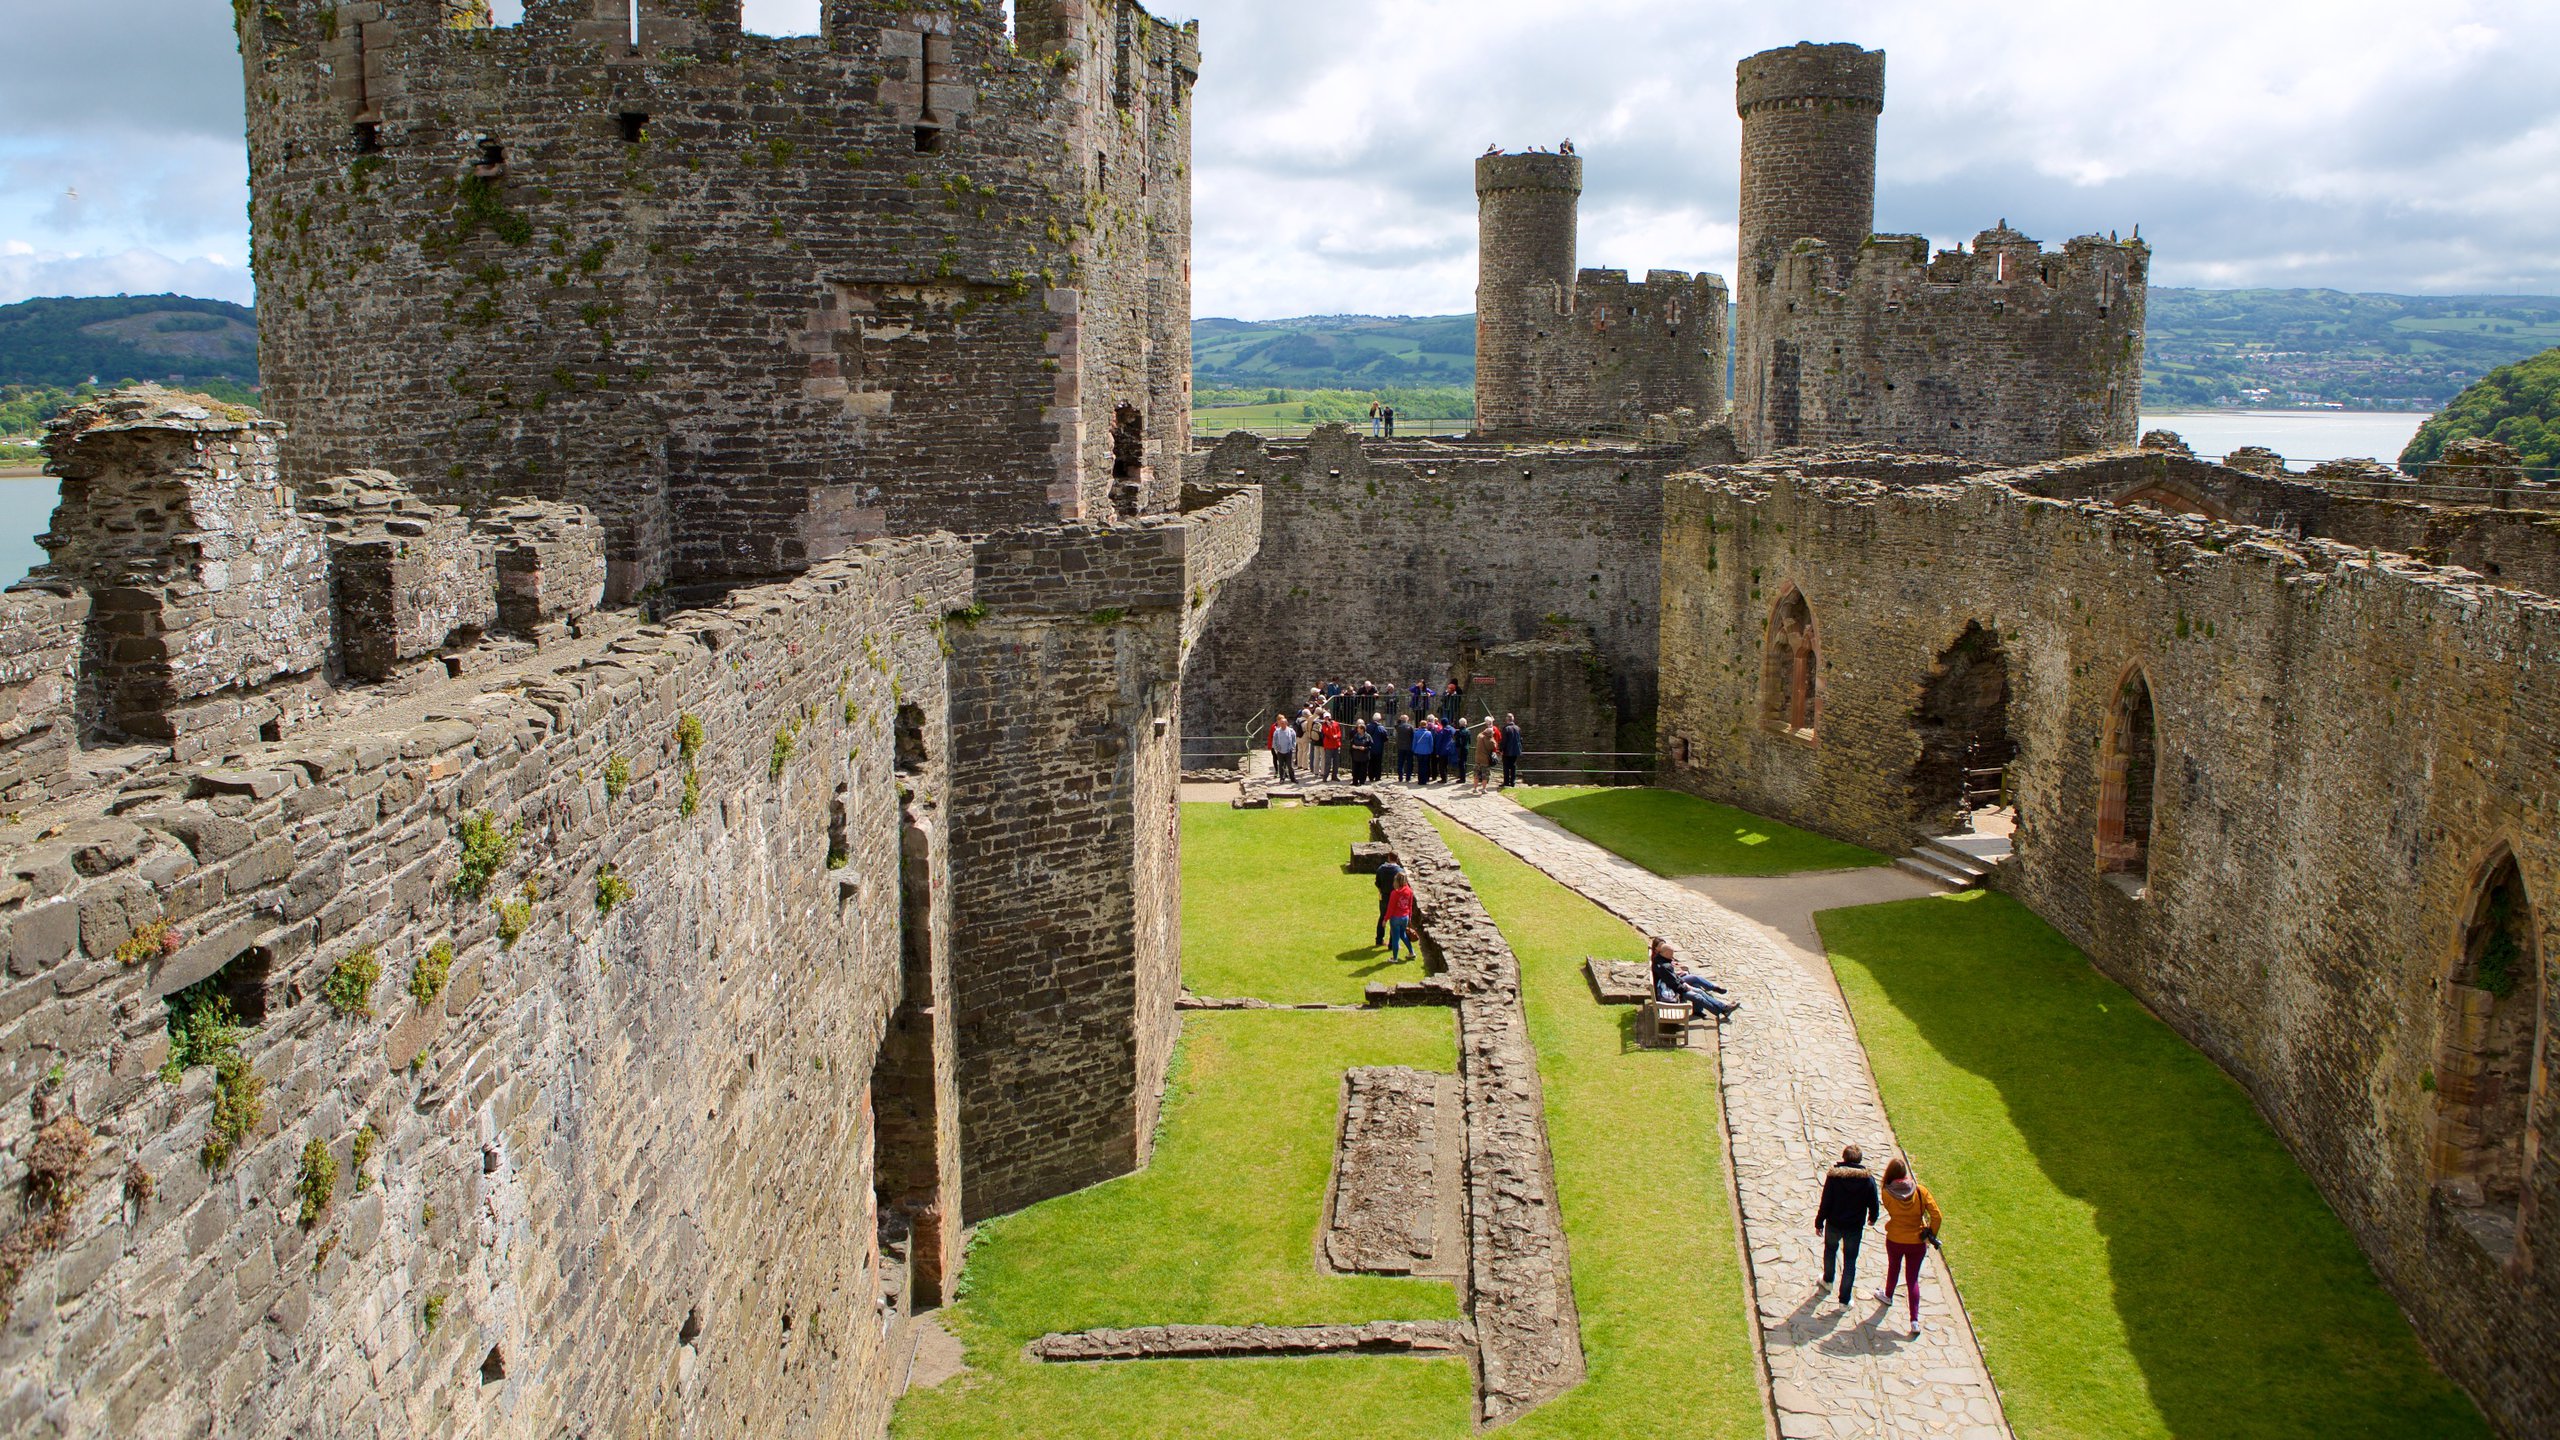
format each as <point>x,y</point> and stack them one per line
<point>2128,772</point>
<point>2481,1148</point>
<point>1128,457</point>
<point>1959,783</point>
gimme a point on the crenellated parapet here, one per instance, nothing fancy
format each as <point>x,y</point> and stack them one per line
<point>2005,351</point>
<point>1567,351</point>
<point>752,299</point>
<point>1999,352</point>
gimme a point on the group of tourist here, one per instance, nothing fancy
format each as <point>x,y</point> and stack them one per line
<point>1430,739</point>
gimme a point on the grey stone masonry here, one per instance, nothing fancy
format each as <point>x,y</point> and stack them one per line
<point>551,564</point>
<point>1396,1171</point>
<point>1065,705</point>
<point>1426,1338</point>
<point>1567,351</point>
<point>2266,780</point>
<point>2005,352</point>
<point>1519,1279</point>
<point>751,299</point>
<point>409,578</point>
<point>582,1007</point>
<point>42,629</point>
<point>1380,561</point>
<point>1795,1087</point>
<point>207,585</point>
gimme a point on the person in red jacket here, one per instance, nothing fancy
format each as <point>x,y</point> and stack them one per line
<point>1400,920</point>
<point>1332,748</point>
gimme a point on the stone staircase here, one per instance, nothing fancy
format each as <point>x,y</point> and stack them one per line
<point>1957,862</point>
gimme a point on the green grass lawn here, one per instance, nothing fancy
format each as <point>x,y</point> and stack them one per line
<point>1638,1140</point>
<point>1672,833</point>
<point>2140,1255</point>
<point>1268,911</point>
<point>1219,1229</point>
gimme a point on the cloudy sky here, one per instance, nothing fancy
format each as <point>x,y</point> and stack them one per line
<point>2400,145</point>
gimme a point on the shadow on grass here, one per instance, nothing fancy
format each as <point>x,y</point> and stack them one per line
<point>1673,833</point>
<point>2140,1254</point>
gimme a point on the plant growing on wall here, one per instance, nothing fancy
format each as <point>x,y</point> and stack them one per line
<point>611,890</point>
<point>485,849</point>
<point>349,988</point>
<point>427,980</point>
<point>318,1183</point>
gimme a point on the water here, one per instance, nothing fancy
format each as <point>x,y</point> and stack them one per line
<point>2303,437</point>
<point>26,511</point>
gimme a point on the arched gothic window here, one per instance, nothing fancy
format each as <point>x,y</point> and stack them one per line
<point>2128,767</point>
<point>1791,669</point>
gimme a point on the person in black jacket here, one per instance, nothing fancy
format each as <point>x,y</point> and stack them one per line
<point>1510,750</point>
<point>1388,874</point>
<point>1848,1207</point>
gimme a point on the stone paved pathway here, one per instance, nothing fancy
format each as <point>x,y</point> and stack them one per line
<point>1796,1088</point>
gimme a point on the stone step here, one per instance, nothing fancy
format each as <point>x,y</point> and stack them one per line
<point>1937,872</point>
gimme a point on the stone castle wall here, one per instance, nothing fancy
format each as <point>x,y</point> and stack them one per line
<point>620,1170</point>
<point>1844,336</point>
<point>2343,741</point>
<point>2005,353</point>
<point>1401,562</point>
<point>1066,698</point>
<point>543,259</point>
<point>1565,351</point>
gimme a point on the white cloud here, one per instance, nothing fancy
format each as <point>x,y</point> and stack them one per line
<point>2365,144</point>
<point>26,272</point>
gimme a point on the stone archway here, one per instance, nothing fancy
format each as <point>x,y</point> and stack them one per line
<point>2176,497</point>
<point>1962,721</point>
<point>2481,1146</point>
<point>2128,774</point>
<point>1791,668</point>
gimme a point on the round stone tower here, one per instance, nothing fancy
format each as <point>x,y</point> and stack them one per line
<point>1808,170</point>
<point>1808,151</point>
<point>1525,218</point>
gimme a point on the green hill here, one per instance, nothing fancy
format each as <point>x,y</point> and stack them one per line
<point>64,343</point>
<point>1334,352</point>
<point>2203,347</point>
<point>2516,404</point>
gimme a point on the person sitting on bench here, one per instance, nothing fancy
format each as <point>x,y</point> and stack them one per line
<point>1671,983</point>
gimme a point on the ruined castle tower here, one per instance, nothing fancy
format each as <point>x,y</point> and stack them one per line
<point>754,299</point>
<point>2004,352</point>
<point>1565,351</point>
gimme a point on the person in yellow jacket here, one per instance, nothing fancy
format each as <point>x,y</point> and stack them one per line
<point>1911,1222</point>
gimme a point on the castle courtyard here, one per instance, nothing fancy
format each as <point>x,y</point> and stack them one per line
<point>711,820</point>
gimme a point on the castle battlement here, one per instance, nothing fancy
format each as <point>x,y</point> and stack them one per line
<point>2001,351</point>
<point>753,299</point>
<point>1562,350</point>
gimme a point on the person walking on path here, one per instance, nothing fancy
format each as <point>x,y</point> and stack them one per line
<point>1911,1223</point>
<point>1510,749</point>
<point>1847,1208</point>
<point>1404,749</point>
<point>1390,875</point>
<point>1400,921</point>
<point>1284,751</point>
<point>1488,745</point>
